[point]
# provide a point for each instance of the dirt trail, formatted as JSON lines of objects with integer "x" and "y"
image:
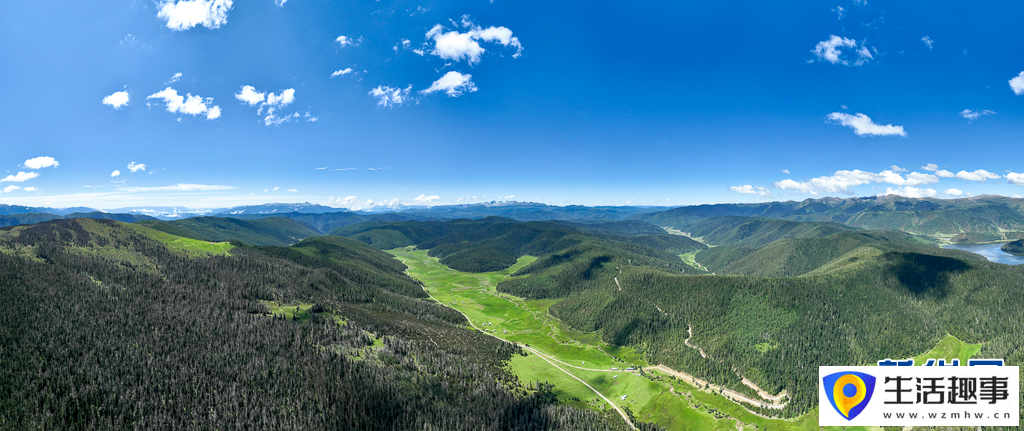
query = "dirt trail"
{"x": 747, "y": 382}
{"x": 726, "y": 392}
{"x": 689, "y": 330}
{"x": 617, "y": 279}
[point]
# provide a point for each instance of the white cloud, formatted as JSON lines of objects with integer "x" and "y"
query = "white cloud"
{"x": 862, "y": 125}
{"x": 344, "y": 40}
{"x": 116, "y": 173}
{"x": 135, "y": 167}
{"x": 118, "y": 99}
{"x": 389, "y": 96}
{"x": 978, "y": 175}
{"x": 974, "y": 115}
{"x": 310, "y": 118}
{"x": 175, "y": 78}
{"x": 953, "y": 192}
{"x": 292, "y": 190}
{"x": 507, "y": 197}
{"x": 273, "y": 120}
{"x": 843, "y": 181}
{"x": 284, "y": 99}
{"x": 839, "y": 11}
{"x": 346, "y": 201}
{"x": 910, "y": 192}
{"x": 11, "y": 188}
{"x": 20, "y": 177}
{"x": 831, "y": 51}
{"x": 895, "y": 168}
{"x": 185, "y": 14}
{"x": 41, "y": 162}
{"x": 751, "y": 190}
{"x": 341, "y": 72}
{"x": 181, "y": 187}
{"x": 188, "y": 104}
{"x": 424, "y": 199}
{"x": 938, "y": 172}
{"x": 453, "y": 83}
{"x": 456, "y": 46}
{"x": 280, "y": 3}
{"x": 1017, "y": 84}
{"x": 1015, "y": 178}
{"x": 250, "y": 96}
{"x": 928, "y": 41}
{"x": 29, "y": 189}
{"x": 785, "y": 171}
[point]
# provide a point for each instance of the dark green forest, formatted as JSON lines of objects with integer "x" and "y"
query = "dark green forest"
{"x": 106, "y": 328}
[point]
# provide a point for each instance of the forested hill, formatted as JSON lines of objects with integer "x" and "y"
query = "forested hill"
{"x": 108, "y": 328}
{"x": 325, "y": 222}
{"x": 276, "y": 231}
{"x": 29, "y": 218}
{"x": 937, "y": 217}
{"x": 494, "y": 243}
{"x": 758, "y": 231}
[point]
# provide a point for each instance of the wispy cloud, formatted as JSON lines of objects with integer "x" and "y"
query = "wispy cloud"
{"x": 175, "y": 78}
{"x": 928, "y": 42}
{"x": 974, "y": 115}
{"x": 188, "y": 104}
{"x": 932, "y": 167}
{"x": 185, "y": 14}
{"x": 344, "y": 41}
{"x": 751, "y": 190}
{"x": 831, "y": 50}
{"x": 424, "y": 199}
{"x": 979, "y": 175}
{"x": 41, "y": 162}
{"x": 135, "y": 167}
{"x": 863, "y": 126}
{"x": 20, "y": 177}
{"x": 390, "y": 96}
{"x": 341, "y": 72}
{"x": 181, "y": 187}
{"x": 453, "y": 83}
{"x": 11, "y": 188}
{"x": 118, "y": 99}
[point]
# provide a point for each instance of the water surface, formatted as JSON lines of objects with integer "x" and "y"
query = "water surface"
{"x": 990, "y": 251}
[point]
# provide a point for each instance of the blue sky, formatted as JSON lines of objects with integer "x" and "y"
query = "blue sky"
{"x": 213, "y": 103}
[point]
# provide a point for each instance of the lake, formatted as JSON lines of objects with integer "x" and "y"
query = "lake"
{"x": 990, "y": 251}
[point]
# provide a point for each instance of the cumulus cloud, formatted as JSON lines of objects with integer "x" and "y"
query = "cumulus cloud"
{"x": 453, "y": 83}
{"x": 831, "y": 50}
{"x": 932, "y": 167}
{"x": 188, "y": 104}
{"x": 11, "y": 188}
{"x": 116, "y": 173}
{"x": 843, "y": 181}
{"x": 910, "y": 192}
{"x": 953, "y": 192}
{"x": 341, "y": 72}
{"x": 751, "y": 190}
{"x": 41, "y": 162}
{"x": 978, "y": 175}
{"x": 20, "y": 177}
{"x": 457, "y": 46}
{"x": 863, "y": 126}
{"x": 974, "y": 115}
{"x": 185, "y": 14}
{"x": 250, "y": 96}
{"x": 389, "y": 96}
{"x": 1017, "y": 84}
{"x": 424, "y": 199}
{"x": 118, "y": 99}
{"x": 271, "y": 102}
{"x": 928, "y": 41}
{"x": 181, "y": 187}
{"x": 344, "y": 40}
{"x": 135, "y": 167}
{"x": 895, "y": 168}
{"x": 1015, "y": 178}
{"x": 346, "y": 201}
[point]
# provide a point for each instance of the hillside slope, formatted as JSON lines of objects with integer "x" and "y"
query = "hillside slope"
{"x": 275, "y": 231}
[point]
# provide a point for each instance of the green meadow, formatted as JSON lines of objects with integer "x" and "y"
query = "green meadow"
{"x": 186, "y": 245}
{"x": 649, "y": 396}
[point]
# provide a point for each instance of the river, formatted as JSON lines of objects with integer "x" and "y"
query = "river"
{"x": 990, "y": 252}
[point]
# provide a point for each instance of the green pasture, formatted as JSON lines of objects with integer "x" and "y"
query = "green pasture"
{"x": 186, "y": 245}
